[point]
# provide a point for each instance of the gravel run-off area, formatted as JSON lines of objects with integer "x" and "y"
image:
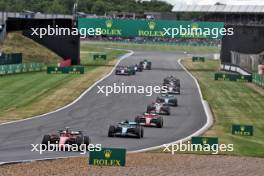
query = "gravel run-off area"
{"x": 144, "y": 164}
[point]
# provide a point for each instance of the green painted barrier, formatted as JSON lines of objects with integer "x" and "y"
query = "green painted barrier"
{"x": 65, "y": 70}
{"x": 243, "y": 130}
{"x": 233, "y": 77}
{"x": 198, "y": 59}
{"x": 99, "y": 56}
{"x": 108, "y": 157}
{"x": 258, "y": 79}
{"x": 21, "y": 68}
{"x": 205, "y": 140}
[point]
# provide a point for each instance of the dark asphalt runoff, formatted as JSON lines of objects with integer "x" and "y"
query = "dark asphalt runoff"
{"x": 93, "y": 113}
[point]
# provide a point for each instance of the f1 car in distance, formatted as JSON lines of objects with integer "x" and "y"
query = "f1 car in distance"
{"x": 172, "y": 85}
{"x": 66, "y": 136}
{"x": 171, "y": 80}
{"x": 126, "y": 128}
{"x": 167, "y": 99}
{"x": 125, "y": 70}
{"x": 149, "y": 119}
{"x": 146, "y": 64}
{"x": 158, "y": 108}
{"x": 138, "y": 67}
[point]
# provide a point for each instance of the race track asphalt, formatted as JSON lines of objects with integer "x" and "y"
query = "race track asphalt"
{"x": 93, "y": 113}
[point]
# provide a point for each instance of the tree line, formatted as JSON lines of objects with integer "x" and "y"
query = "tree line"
{"x": 99, "y": 7}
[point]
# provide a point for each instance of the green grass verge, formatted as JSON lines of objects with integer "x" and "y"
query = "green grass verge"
{"x": 231, "y": 103}
{"x": 20, "y": 94}
{"x": 22, "y": 89}
{"x": 87, "y": 51}
{"x": 15, "y": 42}
{"x": 157, "y": 47}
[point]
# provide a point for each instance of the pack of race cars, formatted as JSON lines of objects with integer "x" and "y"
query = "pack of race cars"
{"x": 132, "y": 69}
{"x": 153, "y": 115}
{"x": 134, "y": 128}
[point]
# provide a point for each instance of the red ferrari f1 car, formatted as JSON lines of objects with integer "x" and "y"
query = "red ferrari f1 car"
{"x": 150, "y": 119}
{"x": 66, "y": 136}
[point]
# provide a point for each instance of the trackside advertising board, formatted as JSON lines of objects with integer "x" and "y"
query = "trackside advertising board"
{"x": 65, "y": 70}
{"x": 99, "y": 56}
{"x": 151, "y": 28}
{"x": 108, "y": 157}
{"x": 243, "y": 130}
{"x": 21, "y": 68}
{"x": 205, "y": 140}
{"x": 233, "y": 77}
{"x": 198, "y": 59}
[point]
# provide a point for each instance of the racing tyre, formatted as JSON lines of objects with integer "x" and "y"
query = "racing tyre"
{"x": 142, "y": 132}
{"x": 86, "y": 140}
{"x": 160, "y": 122}
{"x": 111, "y": 131}
{"x": 45, "y": 141}
{"x": 138, "y": 132}
{"x": 137, "y": 119}
{"x": 167, "y": 110}
{"x": 149, "y": 67}
{"x": 79, "y": 140}
{"x": 175, "y": 103}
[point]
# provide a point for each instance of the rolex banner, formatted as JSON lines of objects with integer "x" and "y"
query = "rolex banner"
{"x": 108, "y": 157}
{"x": 205, "y": 140}
{"x": 243, "y": 130}
{"x": 151, "y": 28}
{"x": 99, "y": 56}
{"x": 198, "y": 59}
{"x": 233, "y": 77}
{"x": 65, "y": 70}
